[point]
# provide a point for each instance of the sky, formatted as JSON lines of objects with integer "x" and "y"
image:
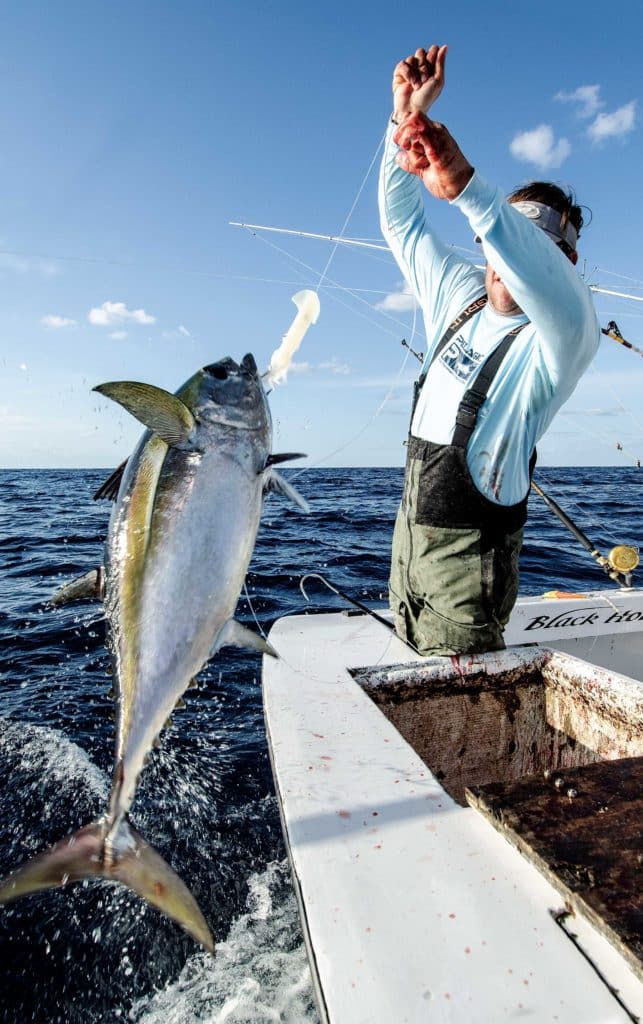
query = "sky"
{"x": 133, "y": 133}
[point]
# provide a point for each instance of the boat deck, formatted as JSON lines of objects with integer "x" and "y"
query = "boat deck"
{"x": 414, "y": 907}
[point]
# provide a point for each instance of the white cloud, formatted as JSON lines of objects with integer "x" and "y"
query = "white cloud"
{"x": 112, "y": 313}
{"x": 184, "y": 331}
{"x": 299, "y": 368}
{"x": 586, "y": 96}
{"x": 540, "y": 147}
{"x": 56, "y": 322}
{"x": 118, "y": 335}
{"x": 619, "y": 122}
{"x": 335, "y": 366}
{"x": 400, "y": 301}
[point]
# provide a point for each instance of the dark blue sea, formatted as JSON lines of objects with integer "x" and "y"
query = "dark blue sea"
{"x": 94, "y": 952}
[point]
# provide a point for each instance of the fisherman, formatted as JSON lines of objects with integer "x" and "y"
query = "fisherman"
{"x": 506, "y": 347}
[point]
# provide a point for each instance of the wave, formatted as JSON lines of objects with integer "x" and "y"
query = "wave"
{"x": 260, "y": 973}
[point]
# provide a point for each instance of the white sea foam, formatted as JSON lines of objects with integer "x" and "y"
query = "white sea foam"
{"x": 260, "y": 973}
{"x": 47, "y": 755}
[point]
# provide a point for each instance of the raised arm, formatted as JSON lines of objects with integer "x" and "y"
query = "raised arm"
{"x": 436, "y": 275}
{"x": 539, "y": 277}
{"x": 418, "y": 81}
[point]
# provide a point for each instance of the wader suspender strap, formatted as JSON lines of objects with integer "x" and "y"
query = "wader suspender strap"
{"x": 473, "y": 398}
{"x": 461, "y": 319}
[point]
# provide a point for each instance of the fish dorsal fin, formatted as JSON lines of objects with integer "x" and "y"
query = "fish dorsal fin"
{"x": 161, "y": 412}
{"x": 109, "y": 489}
{"x": 278, "y": 483}
{"x": 274, "y": 460}
{"x": 235, "y": 635}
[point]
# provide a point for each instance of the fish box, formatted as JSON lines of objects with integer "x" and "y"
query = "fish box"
{"x": 499, "y": 717}
{"x": 550, "y": 750}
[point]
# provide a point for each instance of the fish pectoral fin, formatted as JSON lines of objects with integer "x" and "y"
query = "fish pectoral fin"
{"x": 235, "y": 635}
{"x": 276, "y": 482}
{"x": 110, "y": 488}
{"x": 129, "y": 859}
{"x": 274, "y": 460}
{"x": 88, "y": 587}
{"x": 161, "y": 412}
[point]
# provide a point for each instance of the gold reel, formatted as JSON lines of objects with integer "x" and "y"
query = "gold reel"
{"x": 623, "y": 558}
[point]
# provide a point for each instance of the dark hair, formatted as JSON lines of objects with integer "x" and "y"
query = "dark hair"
{"x": 551, "y": 195}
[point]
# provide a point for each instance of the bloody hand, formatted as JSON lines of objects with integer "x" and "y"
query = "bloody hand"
{"x": 430, "y": 151}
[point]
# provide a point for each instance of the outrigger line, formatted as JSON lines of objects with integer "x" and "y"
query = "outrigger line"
{"x": 622, "y": 559}
{"x": 361, "y": 243}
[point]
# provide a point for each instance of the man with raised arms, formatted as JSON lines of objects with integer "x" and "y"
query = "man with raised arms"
{"x": 506, "y": 348}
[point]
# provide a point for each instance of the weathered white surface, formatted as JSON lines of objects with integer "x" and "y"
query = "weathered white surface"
{"x": 416, "y": 909}
{"x": 603, "y": 626}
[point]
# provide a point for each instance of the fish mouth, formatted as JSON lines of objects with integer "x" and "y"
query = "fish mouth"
{"x": 225, "y": 368}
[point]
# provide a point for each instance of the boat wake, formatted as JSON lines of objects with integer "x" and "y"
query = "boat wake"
{"x": 227, "y": 842}
{"x": 260, "y": 973}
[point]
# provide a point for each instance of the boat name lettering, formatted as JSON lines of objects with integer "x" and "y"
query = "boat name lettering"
{"x": 580, "y": 617}
{"x": 625, "y": 617}
{"x": 561, "y": 620}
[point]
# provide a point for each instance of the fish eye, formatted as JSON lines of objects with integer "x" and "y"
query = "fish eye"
{"x": 218, "y": 371}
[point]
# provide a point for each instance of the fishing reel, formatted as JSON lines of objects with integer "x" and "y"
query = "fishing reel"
{"x": 622, "y": 560}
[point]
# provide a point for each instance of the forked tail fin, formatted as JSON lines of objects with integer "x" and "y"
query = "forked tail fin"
{"x": 129, "y": 860}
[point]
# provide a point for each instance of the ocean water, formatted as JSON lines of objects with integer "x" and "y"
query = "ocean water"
{"x": 94, "y": 952}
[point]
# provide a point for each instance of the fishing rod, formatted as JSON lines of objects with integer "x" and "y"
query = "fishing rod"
{"x": 622, "y": 560}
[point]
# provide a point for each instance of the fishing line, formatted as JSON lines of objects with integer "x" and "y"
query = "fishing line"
{"x": 623, "y": 277}
{"x": 604, "y": 382}
{"x": 129, "y": 264}
{"x": 611, "y": 604}
{"x": 602, "y": 440}
{"x": 251, "y": 607}
{"x": 341, "y": 288}
{"x": 323, "y": 276}
{"x": 350, "y": 212}
{"x": 570, "y": 503}
{"x": 357, "y": 604}
{"x": 371, "y": 419}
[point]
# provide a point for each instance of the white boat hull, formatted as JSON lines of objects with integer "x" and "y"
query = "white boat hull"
{"x": 414, "y": 908}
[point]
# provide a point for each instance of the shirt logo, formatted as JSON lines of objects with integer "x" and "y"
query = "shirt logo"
{"x": 460, "y": 360}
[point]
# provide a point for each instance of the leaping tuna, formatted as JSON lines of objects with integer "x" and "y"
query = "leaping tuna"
{"x": 181, "y": 535}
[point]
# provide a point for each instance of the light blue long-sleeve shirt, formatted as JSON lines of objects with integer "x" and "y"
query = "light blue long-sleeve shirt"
{"x": 546, "y": 360}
